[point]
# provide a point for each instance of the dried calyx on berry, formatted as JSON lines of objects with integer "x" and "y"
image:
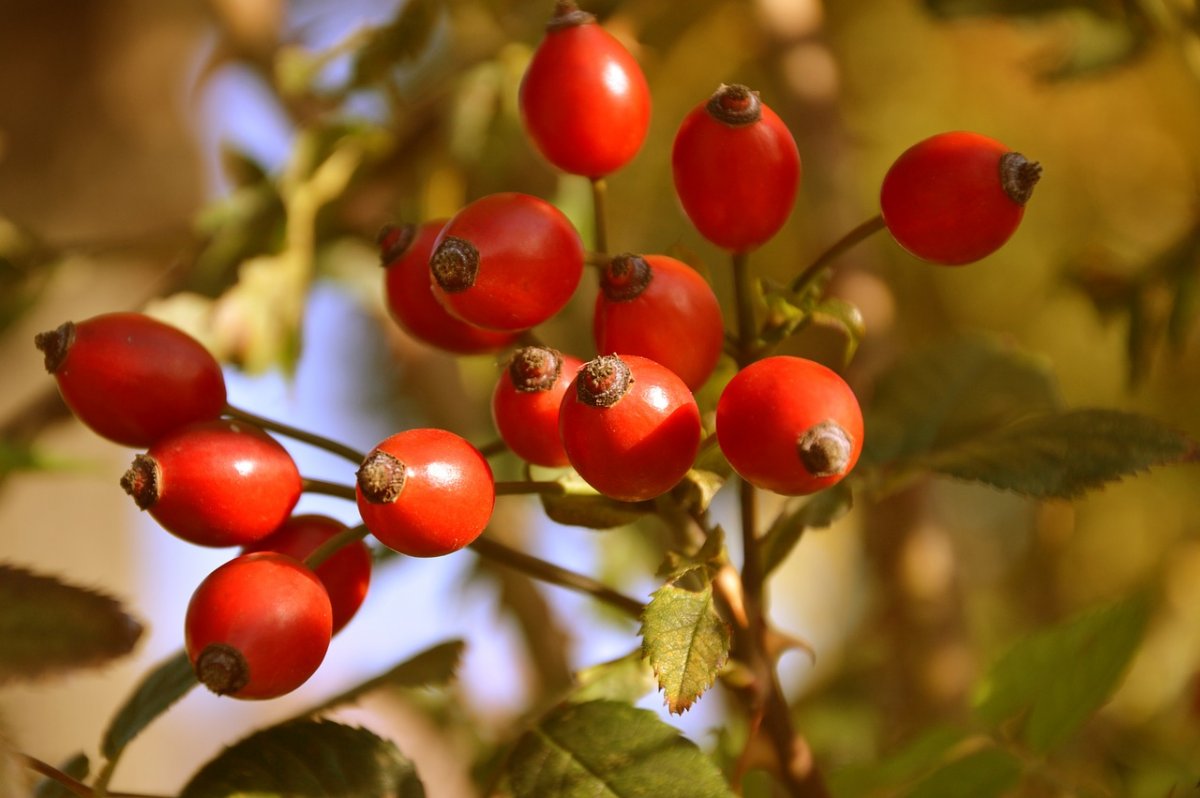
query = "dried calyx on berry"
{"x": 534, "y": 368}
{"x": 222, "y": 669}
{"x": 625, "y": 277}
{"x": 568, "y": 14}
{"x": 394, "y": 240}
{"x": 1019, "y": 175}
{"x": 735, "y": 105}
{"x": 455, "y": 264}
{"x": 381, "y": 477}
{"x": 826, "y": 449}
{"x": 603, "y": 381}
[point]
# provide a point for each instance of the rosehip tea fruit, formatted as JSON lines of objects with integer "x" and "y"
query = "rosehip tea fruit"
{"x": 132, "y": 378}
{"x": 630, "y": 427}
{"x": 425, "y": 492}
{"x": 789, "y": 425}
{"x": 258, "y": 626}
{"x": 956, "y": 197}
{"x": 405, "y": 251}
{"x": 660, "y": 308}
{"x": 526, "y": 400}
{"x": 216, "y": 483}
{"x": 736, "y": 169}
{"x": 346, "y": 574}
{"x": 506, "y": 261}
{"x": 584, "y": 100}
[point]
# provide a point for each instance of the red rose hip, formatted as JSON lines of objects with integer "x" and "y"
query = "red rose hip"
{"x": 217, "y": 483}
{"x": 736, "y": 169}
{"x": 630, "y": 427}
{"x": 258, "y": 626}
{"x": 584, "y": 100}
{"x": 526, "y": 400}
{"x": 956, "y": 197}
{"x": 346, "y": 574}
{"x": 507, "y": 261}
{"x": 789, "y": 425}
{"x": 660, "y": 308}
{"x": 132, "y": 378}
{"x": 425, "y": 492}
{"x": 405, "y": 251}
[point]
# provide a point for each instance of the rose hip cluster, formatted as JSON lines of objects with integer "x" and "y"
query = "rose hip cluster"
{"x": 626, "y": 421}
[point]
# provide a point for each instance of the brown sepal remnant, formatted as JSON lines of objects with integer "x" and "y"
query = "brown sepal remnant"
{"x": 567, "y": 15}
{"x": 143, "y": 481}
{"x": 222, "y": 669}
{"x": 1019, "y": 175}
{"x": 534, "y": 368}
{"x": 394, "y": 240}
{"x": 603, "y": 381}
{"x": 825, "y": 449}
{"x": 625, "y": 277}
{"x": 735, "y": 105}
{"x": 54, "y": 344}
{"x": 455, "y": 263}
{"x": 381, "y": 477}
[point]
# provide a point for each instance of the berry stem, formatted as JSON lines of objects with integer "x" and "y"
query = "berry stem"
{"x": 304, "y": 436}
{"x": 600, "y": 214}
{"x": 328, "y": 488}
{"x": 70, "y": 784}
{"x": 332, "y": 546}
{"x": 765, "y": 700}
{"x": 849, "y": 240}
{"x": 555, "y": 575}
{"x": 527, "y": 486}
{"x": 493, "y": 448}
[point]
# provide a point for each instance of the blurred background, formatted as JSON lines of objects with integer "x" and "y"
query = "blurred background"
{"x": 151, "y": 153}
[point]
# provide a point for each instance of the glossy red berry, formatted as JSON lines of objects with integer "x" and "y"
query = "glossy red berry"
{"x": 789, "y": 425}
{"x": 258, "y": 626}
{"x": 405, "y": 251}
{"x": 662, "y": 309}
{"x": 216, "y": 483}
{"x": 956, "y": 197}
{"x": 736, "y": 169}
{"x": 584, "y": 100}
{"x": 132, "y": 378}
{"x": 630, "y": 427}
{"x": 526, "y": 400}
{"x": 425, "y": 492}
{"x": 346, "y": 574}
{"x": 507, "y": 261}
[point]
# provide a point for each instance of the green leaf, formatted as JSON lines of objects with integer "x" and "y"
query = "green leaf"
{"x": 1062, "y": 455}
{"x": 941, "y": 396}
{"x": 160, "y": 689}
{"x": 1051, "y": 683}
{"x": 821, "y": 510}
{"x": 686, "y": 642}
{"x": 989, "y": 773}
{"x": 910, "y": 762}
{"x": 434, "y": 666}
{"x": 401, "y": 40}
{"x": 77, "y": 767}
{"x": 580, "y": 505}
{"x": 844, "y": 316}
{"x": 626, "y": 679}
{"x": 968, "y": 8}
{"x": 20, "y": 456}
{"x": 48, "y": 627}
{"x": 309, "y": 758}
{"x": 607, "y": 748}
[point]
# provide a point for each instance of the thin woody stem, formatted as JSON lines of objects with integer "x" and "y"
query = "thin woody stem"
{"x": 324, "y": 488}
{"x": 556, "y": 575}
{"x": 69, "y": 783}
{"x": 835, "y": 250}
{"x": 304, "y": 436}
{"x": 600, "y": 214}
{"x": 332, "y": 546}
